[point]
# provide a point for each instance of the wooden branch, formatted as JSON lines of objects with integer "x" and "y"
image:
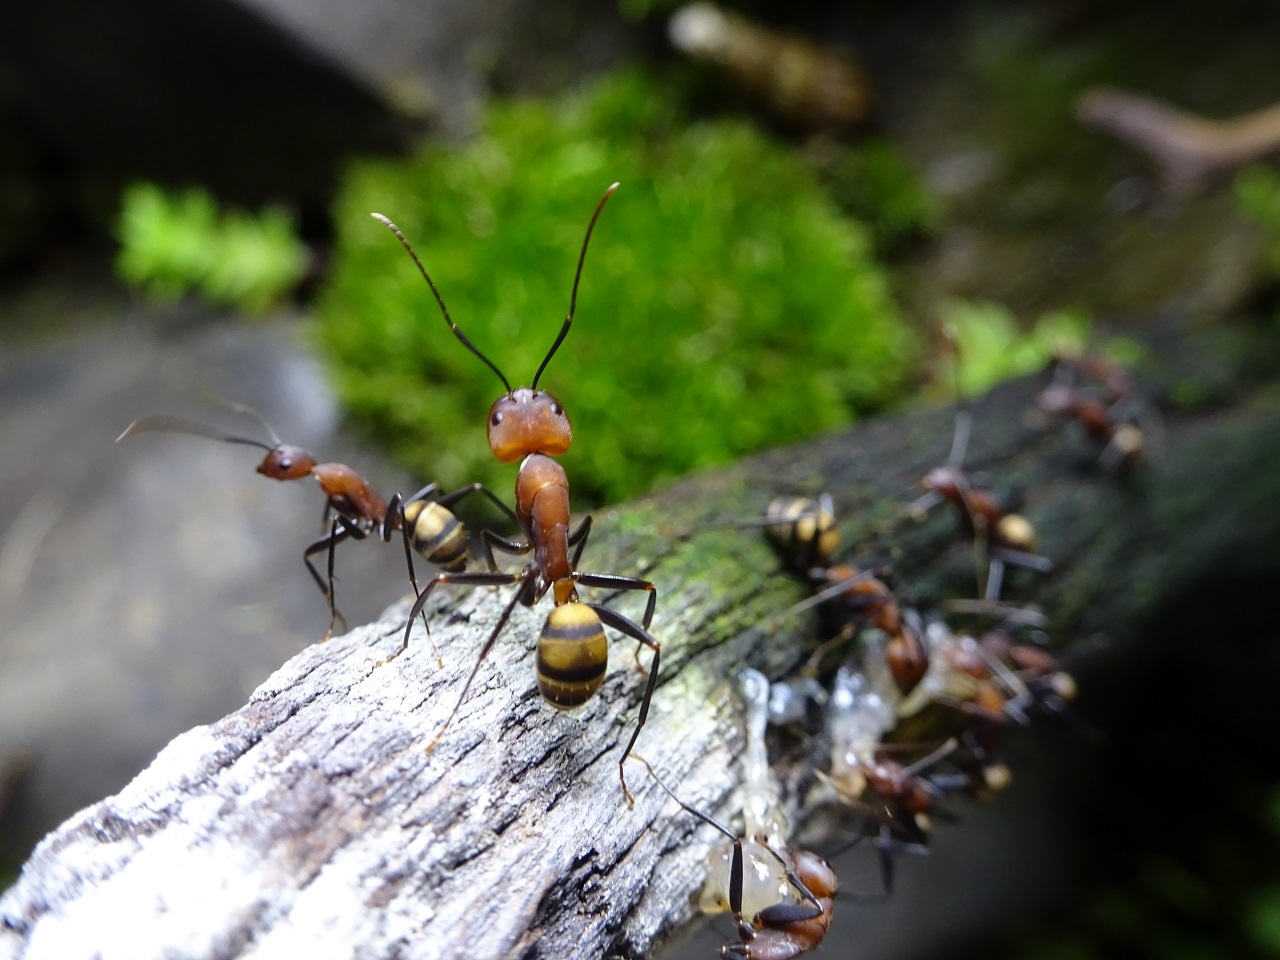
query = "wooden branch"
{"x": 1189, "y": 150}
{"x": 311, "y": 823}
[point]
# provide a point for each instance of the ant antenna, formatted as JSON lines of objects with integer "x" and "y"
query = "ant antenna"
{"x": 573, "y": 297}
{"x": 183, "y": 425}
{"x": 462, "y": 337}
{"x": 249, "y": 411}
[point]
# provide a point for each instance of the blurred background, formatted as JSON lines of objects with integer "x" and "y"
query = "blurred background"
{"x": 810, "y": 192}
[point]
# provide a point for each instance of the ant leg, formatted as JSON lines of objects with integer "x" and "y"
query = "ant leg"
{"x": 395, "y": 509}
{"x": 449, "y": 499}
{"x": 579, "y": 537}
{"x": 609, "y": 580}
{"x": 484, "y": 652}
{"x": 349, "y": 530}
{"x": 489, "y": 540}
{"x": 636, "y": 632}
{"x": 463, "y": 579}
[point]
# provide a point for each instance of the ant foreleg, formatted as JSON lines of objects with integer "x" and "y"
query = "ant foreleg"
{"x": 490, "y": 540}
{"x": 633, "y": 630}
{"x": 579, "y": 537}
{"x": 349, "y": 529}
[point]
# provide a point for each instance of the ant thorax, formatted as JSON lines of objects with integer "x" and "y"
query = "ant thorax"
{"x": 527, "y": 421}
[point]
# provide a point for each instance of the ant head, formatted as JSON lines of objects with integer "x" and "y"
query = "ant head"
{"x": 527, "y": 421}
{"x": 943, "y": 480}
{"x": 1058, "y": 398}
{"x": 286, "y": 462}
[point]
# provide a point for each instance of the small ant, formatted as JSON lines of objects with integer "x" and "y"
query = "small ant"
{"x": 1121, "y": 442}
{"x": 531, "y": 425}
{"x": 804, "y": 531}
{"x": 869, "y": 602}
{"x": 357, "y": 509}
{"x": 789, "y": 895}
{"x": 1005, "y": 538}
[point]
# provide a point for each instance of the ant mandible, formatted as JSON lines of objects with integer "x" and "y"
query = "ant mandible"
{"x": 427, "y": 525}
{"x": 531, "y": 425}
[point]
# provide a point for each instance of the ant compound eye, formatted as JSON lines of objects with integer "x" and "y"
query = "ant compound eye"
{"x": 555, "y": 408}
{"x": 497, "y": 418}
{"x": 286, "y": 464}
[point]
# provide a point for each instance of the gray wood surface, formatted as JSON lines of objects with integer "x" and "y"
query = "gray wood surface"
{"x": 311, "y": 822}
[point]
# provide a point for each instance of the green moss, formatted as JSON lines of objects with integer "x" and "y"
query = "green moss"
{"x": 172, "y": 244}
{"x": 726, "y": 305}
{"x": 875, "y": 184}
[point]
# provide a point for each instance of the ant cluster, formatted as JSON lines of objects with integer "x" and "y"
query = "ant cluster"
{"x": 899, "y": 664}
{"x": 916, "y": 712}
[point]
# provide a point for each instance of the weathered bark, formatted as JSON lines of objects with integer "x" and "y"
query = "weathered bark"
{"x": 312, "y": 822}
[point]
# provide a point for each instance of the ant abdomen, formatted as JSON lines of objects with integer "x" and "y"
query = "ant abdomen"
{"x": 437, "y": 535}
{"x": 573, "y": 655}
{"x": 803, "y": 530}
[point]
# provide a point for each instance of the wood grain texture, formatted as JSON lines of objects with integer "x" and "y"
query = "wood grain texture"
{"x": 311, "y": 822}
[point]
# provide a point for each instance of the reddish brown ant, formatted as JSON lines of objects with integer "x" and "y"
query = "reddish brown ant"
{"x": 780, "y": 926}
{"x": 804, "y": 532}
{"x": 357, "y": 509}
{"x": 530, "y": 425}
{"x": 1121, "y": 441}
{"x": 1003, "y": 537}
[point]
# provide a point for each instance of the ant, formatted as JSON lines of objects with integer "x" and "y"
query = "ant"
{"x": 789, "y": 895}
{"x": 1005, "y": 538}
{"x": 357, "y": 509}
{"x": 531, "y": 425}
{"x": 1106, "y": 415}
{"x": 804, "y": 532}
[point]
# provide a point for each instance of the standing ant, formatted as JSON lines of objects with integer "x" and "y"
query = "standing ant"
{"x": 530, "y": 425}
{"x": 1003, "y": 537}
{"x": 789, "y": 895}
{"x": 357, "y": 509}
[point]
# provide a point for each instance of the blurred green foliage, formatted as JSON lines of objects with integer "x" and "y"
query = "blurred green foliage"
{"x": 1258, "y": 193}
{"x": 991, "y": 348}
{"x": 727, "y": 304}
{"x": 172, "y": 244}
{"x": 873, "y": 183}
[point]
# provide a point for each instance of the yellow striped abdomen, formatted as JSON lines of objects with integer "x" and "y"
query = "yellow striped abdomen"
{"x": 437, "y": 535}
{"x": 573, "y": 655}
{"x": 803, "y": 529}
